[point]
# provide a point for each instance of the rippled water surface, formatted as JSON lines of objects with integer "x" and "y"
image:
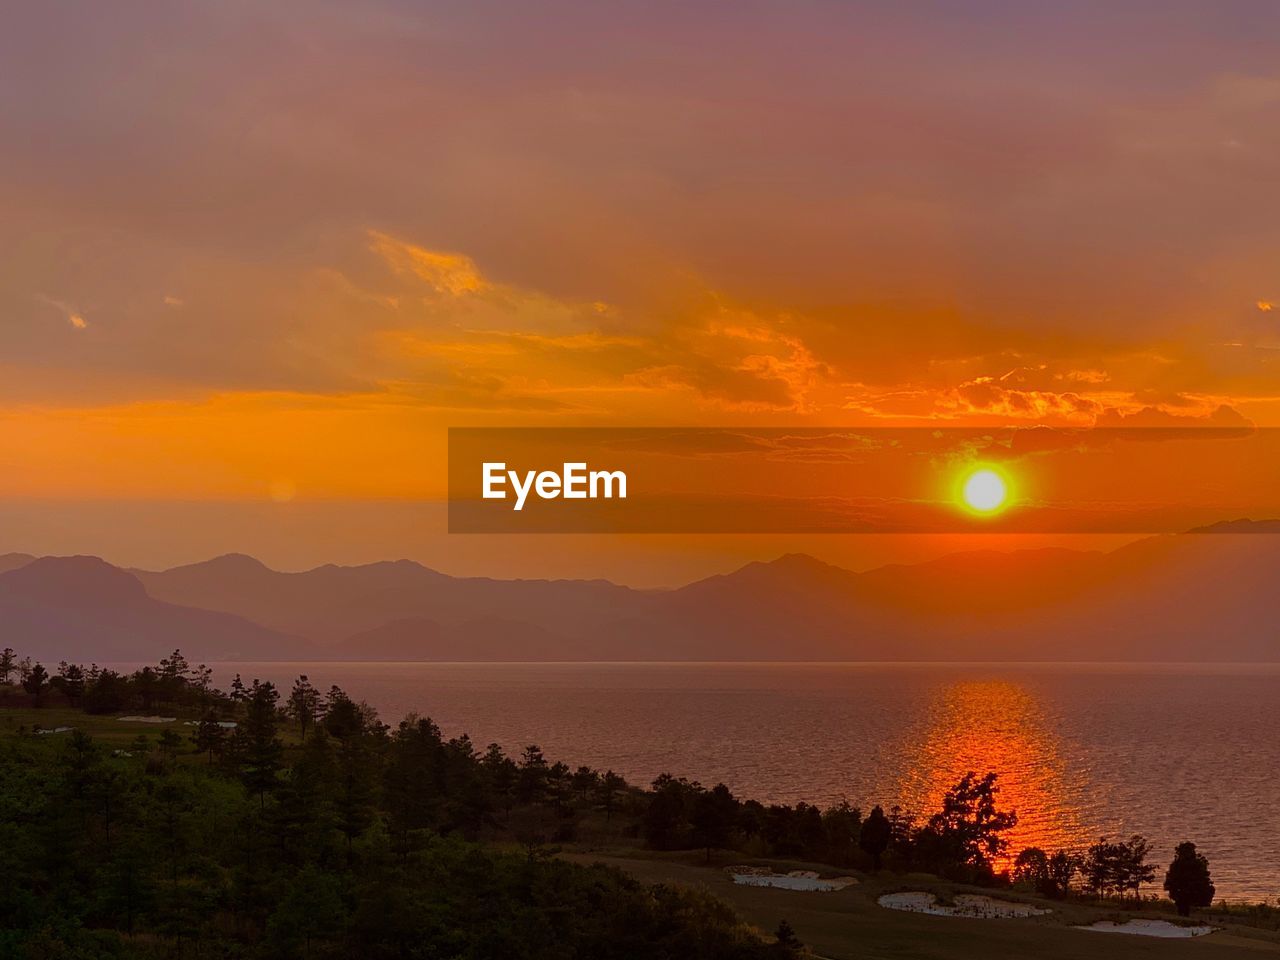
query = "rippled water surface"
{"x": 1174, "y": 752}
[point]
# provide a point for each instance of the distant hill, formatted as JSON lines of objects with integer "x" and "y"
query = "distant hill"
{"x": 331, "y": 603}
{"x": 1183, "y": 597}
{"x": 82, "y": 608}
{"x": 486, "y": 638}
{"x": 12, "y": 561}
{"x": 1203, "y": 595}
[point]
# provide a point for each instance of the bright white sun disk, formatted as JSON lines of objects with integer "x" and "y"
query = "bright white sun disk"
{"x": 984, "y": 490}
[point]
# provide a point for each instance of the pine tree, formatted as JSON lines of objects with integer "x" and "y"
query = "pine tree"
{"x": 71, "y": 681}
{"x": 8, "y": 664}
{"x": 209, "y": 736}
{"x": 356, "y": 769}
{"x": 259, "y": 750}
{"x": 502, "y": 774}
{"x": 1188, "y": 881}
{"x": 714, "y": 814}
{"x": 786, "y": 938}
{"x": 875, "y": 836}
{"x": 611, "y": 787}
{"x": 35, "y": 682}
{"x": 585, "y": 780}
{"x": 532, "y": 783}
{"x": 304, "y": 704}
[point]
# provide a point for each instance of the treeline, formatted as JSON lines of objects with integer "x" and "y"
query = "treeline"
{"x": 420, "y": 781}
{"x": 356, "y": 842}
{"x": 961, "y": 841}
{"x": 1118, "y": 869}
{"x": 173, "y": 683}
{"x": 320, "y": 765}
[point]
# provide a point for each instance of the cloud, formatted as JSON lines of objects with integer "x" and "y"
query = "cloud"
{"x": 580, "y": 354}
{"x": 1221, "y": 416}
{"x": 74, "y": 318}
{"x": 986, "y": 395}
{"x": 382, "y": 314}
{"x": 449, "y": 273}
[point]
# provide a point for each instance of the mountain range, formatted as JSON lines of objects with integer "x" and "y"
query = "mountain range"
{"x": 1184, "y": 597}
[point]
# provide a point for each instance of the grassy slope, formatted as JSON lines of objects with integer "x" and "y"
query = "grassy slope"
{"x": 849, "y": 924}
{"x": 110, "y": 732}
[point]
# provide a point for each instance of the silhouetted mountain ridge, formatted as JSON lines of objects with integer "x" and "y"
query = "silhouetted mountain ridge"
{"x": 12, "y": 561}
{"x": 1174, "y": 597}
{"x": 83, "y": 608}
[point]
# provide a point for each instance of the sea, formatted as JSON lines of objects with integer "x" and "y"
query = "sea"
{"x": 1083, "y": 751}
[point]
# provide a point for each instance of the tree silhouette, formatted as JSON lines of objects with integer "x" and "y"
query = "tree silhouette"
{"x": 1031, "y": 867}
{"x": 611, "y": 786}
{"x": 1050, "y": 876}
{"x": 8, "y": 664}
{"x": 174, "y": 674}
{"x": 357, "y": 776}
{"x": 1134, "y": 869}
{"x": 665, "y": 816}
{"x": 108, "y": 693}
{"x": 532, "y": 783}
{"x": 841, "y": 825}
{"x": 169, "y": 743}
{"x": 714, "y": 813}
{"x": 584, "y": 781}
{"x": 501, "y": 772}
{"x": 209, "y": 736}
{"x": 1117, "y": 867}
{"x": 1061, "y": 869}
{"x": 786, "y": 939}
{"x": 70, "y": 680}
{"x": 967, "y": 831}
{"x": 257, "y": 748}
{"x": 875, "y": 835}
{"x": 35, "y": 682}
{"x": 1187, "y": 881}
{"x": 343, "y": 717}
{"x": 1098, "y": 867}
{"x": 304, "y": 704}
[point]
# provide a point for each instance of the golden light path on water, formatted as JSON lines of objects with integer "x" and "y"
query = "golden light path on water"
{"x": 997, "y": 725}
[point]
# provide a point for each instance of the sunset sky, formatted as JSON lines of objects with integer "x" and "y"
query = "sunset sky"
{"x": 255, "y": 259}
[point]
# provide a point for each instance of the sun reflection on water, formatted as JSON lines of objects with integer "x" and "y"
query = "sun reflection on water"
{"x": 997, "y": 725}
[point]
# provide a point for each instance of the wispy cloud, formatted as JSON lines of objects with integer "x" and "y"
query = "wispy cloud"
{"x": 73, "y": 316}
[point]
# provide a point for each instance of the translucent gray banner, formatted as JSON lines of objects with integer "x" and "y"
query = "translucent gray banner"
{"x": 865, "y": 480}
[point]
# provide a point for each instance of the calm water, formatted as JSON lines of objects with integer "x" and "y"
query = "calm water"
{"x": 1174, "y": 752}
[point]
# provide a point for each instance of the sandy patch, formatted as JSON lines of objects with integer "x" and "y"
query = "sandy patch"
{"x": 44, "y": 732}
{"x": 795, "y": 880}
{"x": 966, "y": 905}
{"x": 1148, "y": 928}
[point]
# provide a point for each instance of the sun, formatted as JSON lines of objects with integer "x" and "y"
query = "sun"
{"x": 984, "y": 491}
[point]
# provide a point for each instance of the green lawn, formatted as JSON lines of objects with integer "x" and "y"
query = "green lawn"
{"x": 109, "y": 731}
{"x": 849, "y": 924}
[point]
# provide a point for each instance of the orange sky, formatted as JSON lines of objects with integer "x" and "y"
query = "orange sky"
{"x": 269, "y": 256}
